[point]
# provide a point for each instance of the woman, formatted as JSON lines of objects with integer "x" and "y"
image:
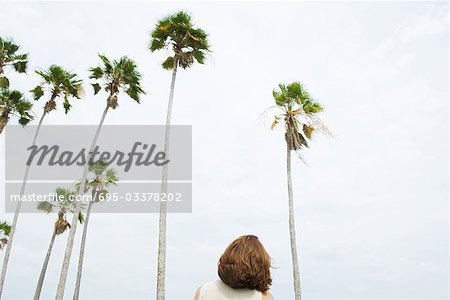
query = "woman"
{"x": 244, "y": 271}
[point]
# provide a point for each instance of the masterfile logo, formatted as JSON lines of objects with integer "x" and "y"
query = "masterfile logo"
{"x": 134, "y": 154}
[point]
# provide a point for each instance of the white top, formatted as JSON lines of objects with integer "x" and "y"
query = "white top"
{"x": 217, "y": 290}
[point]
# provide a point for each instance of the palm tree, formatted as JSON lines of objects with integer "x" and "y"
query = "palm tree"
{"x": 5, "y": 229}
{"x": 13, "y": 103}
{"x": 113, "y": 76}
{"x": 10, "y": 58}
{"x": 298, "y": 114}
{"x": 188, "y": 44}
{"x": 58, "y": 83}
{"x": 103, "y": 178}
{"x": 63, "y": 203}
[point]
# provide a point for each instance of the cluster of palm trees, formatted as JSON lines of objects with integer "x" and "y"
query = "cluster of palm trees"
{"x": 187, "y": 44}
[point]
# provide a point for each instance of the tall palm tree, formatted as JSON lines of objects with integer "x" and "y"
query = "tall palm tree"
{"x": 5, "y": 229}
{"x": 112, "y": 76}
{"x": 188, "y": 44}
{"x": 63, "y": 204}
{"x": 13, "y": 103}
{"x": 101, "y": 180}
{"x": 10, "y": 58}
{"x": 57, "y": 83}
{"x": 298, "y": 115}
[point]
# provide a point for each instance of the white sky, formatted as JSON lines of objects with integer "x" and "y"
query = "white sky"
{"x": 372, "y": 210}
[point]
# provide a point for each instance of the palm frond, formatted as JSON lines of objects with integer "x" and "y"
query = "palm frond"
{"x": 98, "y": 167}
{"x": 5, "y": 228}
{"x": 14, "y": 103}
{"x": 111, "y": 177}
{"x": 10, "y": 57}
{"x": 81, "y": 218}
{"x": 45, "y": 206}
{"x": 4, "y": 82}
{"x": 168, "y": 63}
{"x": 37, "y": 92}
{"x": 20, "y": 66}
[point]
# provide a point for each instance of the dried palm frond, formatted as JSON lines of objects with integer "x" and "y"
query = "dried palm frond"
{"x": 295, "y": 140}
{"x": 49, "y": 106}
{"x": 316, "y": 123}
{"x": 307, "y": 130}
{"x": 3, "y": 242}
{"x": 112, "y": 101}
{"x": 61, "y": 224}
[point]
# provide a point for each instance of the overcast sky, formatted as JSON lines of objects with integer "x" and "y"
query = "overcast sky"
{"x": 371, "y": 207}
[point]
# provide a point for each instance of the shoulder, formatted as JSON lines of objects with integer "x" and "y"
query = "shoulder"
{"x": 212, "y": 285}
{"x": 206, "y": 288}
{"x": 197, "y": 294}
{"x": 267, "y": 296}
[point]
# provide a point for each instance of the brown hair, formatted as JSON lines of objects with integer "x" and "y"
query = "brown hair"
{"x": 246, "y": 264}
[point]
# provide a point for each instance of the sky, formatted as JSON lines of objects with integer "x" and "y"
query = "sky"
{"x": 372, "y": 201}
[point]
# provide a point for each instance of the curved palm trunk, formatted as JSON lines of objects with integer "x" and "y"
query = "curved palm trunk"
{"x": 295, "y": 265}
{"x": 161, "y": 279}
{"x": 16, "y": 213}
{"x": 76, "y": 293}
{"x": 73, "y": 229}
{"x": 37, "y": 293}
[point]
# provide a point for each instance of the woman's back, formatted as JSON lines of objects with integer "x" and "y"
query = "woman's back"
{"x": 217, "y": 290}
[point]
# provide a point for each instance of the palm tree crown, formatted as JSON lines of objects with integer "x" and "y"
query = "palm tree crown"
{"x": 13, "y": 103}
{"x": 176, "y": 32}
{"x": 299, "y": 111}
{"x": 63, "y": 203}
{"x": 58, "y": 82}
{"x": 103, "y": 177}
{"x": 5, "y": 229}
{"x": 10, "y": 57}
{"x": 117, "y": 75}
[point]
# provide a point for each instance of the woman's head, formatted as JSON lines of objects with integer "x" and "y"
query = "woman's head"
{"x": 246, "y": 264}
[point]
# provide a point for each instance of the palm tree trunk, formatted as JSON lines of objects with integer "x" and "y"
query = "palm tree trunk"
{"x": 16, "y": 213}
{"x": 76, "y": 294}
{"x": 37, "y": 293}
{"x": 295, "y": 265}
{"x": 73, "y": 229}
{"x": 161, "y": 279}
